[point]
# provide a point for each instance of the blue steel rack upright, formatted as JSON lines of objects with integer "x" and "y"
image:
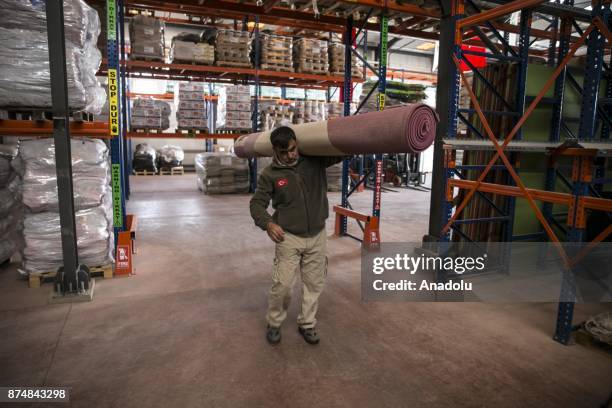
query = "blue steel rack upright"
{"x": 116, "y": 122}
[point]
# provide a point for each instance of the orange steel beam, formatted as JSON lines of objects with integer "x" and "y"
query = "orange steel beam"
{"x": 167, "y": 96}
{"x": 142, "y": 135}
{"x": 497, "y": 12}
{"x": 585, "y": 251}
{"x": 520, "y": 123}
{"x": 513, "y": 191}
{"x": 603, "y": 29}
{"x": 597, "y": 204}
{"x": 351, "y": 214}
{"x": 30, "y": 127}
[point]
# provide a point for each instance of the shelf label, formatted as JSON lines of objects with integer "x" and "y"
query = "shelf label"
{"x": 111, "y": 20}
{"x": 117, "y": 210}
{"x": 113, "y": 102}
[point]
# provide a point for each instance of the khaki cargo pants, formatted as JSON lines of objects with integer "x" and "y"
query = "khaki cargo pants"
{"x": 295, "y": 254}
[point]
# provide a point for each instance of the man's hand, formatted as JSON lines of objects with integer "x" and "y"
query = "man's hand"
{"x": 275, "y": 232}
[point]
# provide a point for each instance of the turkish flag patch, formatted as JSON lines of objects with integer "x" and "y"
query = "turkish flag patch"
{"x": 282, "y": 182}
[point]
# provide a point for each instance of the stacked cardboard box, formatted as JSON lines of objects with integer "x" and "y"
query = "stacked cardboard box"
{"x": 146, "y": 38}
{"x": 233, "y": 49}
{"x": 309, "y": 111}
{"x": 276, "y": 53}
{"x": 150, "y": 114}
{"x": 192, "y": 108}
{"x": 274, "y": 115}
{"x": 336, "y": 61}
{"x": 234, "y": 108}
{"x": 311, "y": 56}
{"x": 192, "y": 52}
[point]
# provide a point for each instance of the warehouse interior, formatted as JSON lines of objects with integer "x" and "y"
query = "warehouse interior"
{"x": 136, "y": 134}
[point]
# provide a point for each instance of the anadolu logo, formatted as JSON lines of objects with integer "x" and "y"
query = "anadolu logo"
{"x": 282, "y": 182}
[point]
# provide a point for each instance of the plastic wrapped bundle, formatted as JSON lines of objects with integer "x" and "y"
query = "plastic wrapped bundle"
{"x": 234, "y": 108}
{"x": 221, "y": 173}
{"x": 92, "y": 198}
{"x": 146, "y": 38}
{"x": 171, "y": 156}
{"x": 188, "y": 48}
{"x": 90, "y": 173}
{"x": 233, "y": 49}
{"x": 10, "y": 206}
{"x": 192, "y": 108}
{"x": 311, "y": 56}
{"x": 334, "y": 177}
{"x": 145, "y": 158}
{"x": 24, "y": 56}
{"x": 43, "y": 244}
{"x": 276, "y": 53}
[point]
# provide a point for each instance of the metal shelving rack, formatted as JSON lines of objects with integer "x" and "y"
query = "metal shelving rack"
{"x": 588, "y": 158}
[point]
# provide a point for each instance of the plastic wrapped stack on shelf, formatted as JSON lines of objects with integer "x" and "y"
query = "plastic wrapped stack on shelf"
{"x": 191, "y": 113}
{"x": 146, "y": 38}
{"x": 336, "y": 109}
{"x": 309, "y": 111}
{"x": 233, "y": 49}
{"x": 274, "y": 115}
{"x": 145, "y": 159}
{"x": 336, "y": 61}
{"x": 276, "y": 53}
{"x": 397, "y": 93}
{"x": 170, "y": 156}
{"x": 148, "y": 114}
{"x": 311, "y": 56}
{"x": 221, "y": 173}
{"x": 334, "y": 177}
{"x": 234, "y": 108}
{"x": 10, "y": 205}
{"x": 24, "y": 56}
{"x": 189, "y": 48}
{"x": 92, "y": 201}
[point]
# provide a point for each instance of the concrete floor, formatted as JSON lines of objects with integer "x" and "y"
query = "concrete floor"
{"x": 188, "y": 329}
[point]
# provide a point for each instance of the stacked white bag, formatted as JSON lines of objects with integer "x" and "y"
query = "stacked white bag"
{"x": 10, "y": 205}
{"x": 24, "y": 55}
{"x": 92, "y": 201}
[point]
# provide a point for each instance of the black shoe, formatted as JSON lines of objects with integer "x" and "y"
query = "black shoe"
{"x": 309, "y": 334}
{"x": 273, "y": 335}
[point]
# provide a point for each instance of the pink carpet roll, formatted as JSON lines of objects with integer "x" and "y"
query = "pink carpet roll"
{"x": 405, "y": 129}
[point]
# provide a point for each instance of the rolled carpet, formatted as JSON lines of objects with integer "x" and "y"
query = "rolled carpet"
{"x": 404, "y": 129}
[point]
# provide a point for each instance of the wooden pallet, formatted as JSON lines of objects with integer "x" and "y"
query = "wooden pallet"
{"x": 187, "y": 131}
{"x": 277, "y": 67}
{"x": 207, "y": 63}
{"x": 146, "y": 130}
{"x": 144, "y": 173}
{"x": 35, "y": 280}
{"x": 234, "y": 131}
{"x": 234, "y": 64}
{"x": 172, "y": 171}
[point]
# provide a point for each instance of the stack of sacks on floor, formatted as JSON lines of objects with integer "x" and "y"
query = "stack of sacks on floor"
{"x": 150, "y": 114}
{"x": 334, "y": 177}
{"x": 171, "y": 156}
{"x": 336, "y": 109}
{"x": 234, "y": 111}
{"x": 92, "y": 201}
{"x": 221, "y": 173}
{"x": 192, "y": 112}
{"x": 24, "y": 56}
{"x": 10, "y": 205}
{"x": 145, "y": 158}
{"x": 146, "y": 38}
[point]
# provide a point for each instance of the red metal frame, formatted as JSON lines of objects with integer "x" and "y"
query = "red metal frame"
{"x": 32, "y": 127}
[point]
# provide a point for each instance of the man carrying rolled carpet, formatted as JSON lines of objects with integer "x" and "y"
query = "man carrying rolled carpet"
{"x": 297, "y": 186}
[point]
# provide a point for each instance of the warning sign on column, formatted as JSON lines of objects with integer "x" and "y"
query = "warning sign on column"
{"x": 113, "y": 102}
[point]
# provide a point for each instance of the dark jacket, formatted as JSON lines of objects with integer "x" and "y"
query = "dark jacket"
{"x": 298, "y": 194}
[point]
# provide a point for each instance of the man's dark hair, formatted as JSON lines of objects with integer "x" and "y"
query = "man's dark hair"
{"x": 281, "y": 136}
